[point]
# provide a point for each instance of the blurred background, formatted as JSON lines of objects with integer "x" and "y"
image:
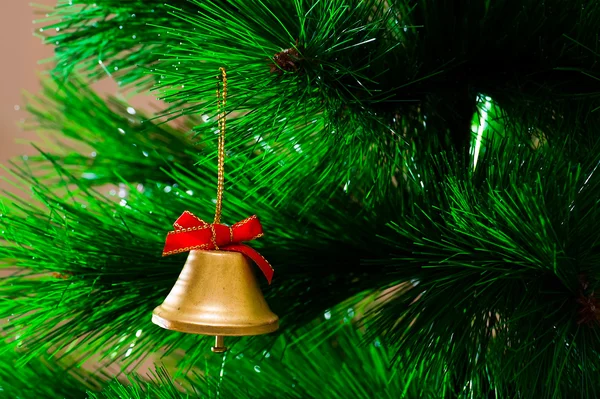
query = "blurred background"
{"x": 25, "y": 60}
{"x": 20, "y": 71}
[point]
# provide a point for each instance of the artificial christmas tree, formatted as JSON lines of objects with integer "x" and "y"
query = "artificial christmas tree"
{"x": 426, "y": 172}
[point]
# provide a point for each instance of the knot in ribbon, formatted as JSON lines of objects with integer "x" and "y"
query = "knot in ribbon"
{"x": 192, "y": 233}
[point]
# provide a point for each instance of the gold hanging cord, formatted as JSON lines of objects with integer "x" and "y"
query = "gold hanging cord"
{"x": 222, "y": 117}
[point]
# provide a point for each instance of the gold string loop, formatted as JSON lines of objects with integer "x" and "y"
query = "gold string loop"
{"x": 222, "y": 117}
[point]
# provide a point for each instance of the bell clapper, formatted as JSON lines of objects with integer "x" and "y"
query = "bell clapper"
{"x": 219, "y": 345}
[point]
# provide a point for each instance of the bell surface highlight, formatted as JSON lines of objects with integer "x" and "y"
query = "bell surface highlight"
{"x": 216, "y": 294}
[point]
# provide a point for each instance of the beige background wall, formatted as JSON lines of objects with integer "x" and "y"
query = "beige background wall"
{"x": 21, "y": 69}
{"x": 20, "y": 52}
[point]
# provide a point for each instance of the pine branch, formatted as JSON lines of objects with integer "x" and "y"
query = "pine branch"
{"x": 96, "y": 270}
{"x": 368, "y": 84}
{"x": 160, "y": 386}
{"x": 497, "y": 260}
{"x": 43, "y": 378}
{"x": 123, "y": 145}
{"x": 293, "y": 369}
{"x": 108, "y": 38}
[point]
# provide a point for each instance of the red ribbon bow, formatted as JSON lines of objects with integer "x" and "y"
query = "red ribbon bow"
{"x": 191, "y": 232}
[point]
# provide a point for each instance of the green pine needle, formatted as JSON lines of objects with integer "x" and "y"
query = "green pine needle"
{"x": 44, "y": 378}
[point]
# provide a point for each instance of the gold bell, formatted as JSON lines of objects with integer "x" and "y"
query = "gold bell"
{"x": 216, "y": 294}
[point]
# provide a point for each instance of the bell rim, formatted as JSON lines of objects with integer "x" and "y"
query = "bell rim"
{"x": 204, "y": 329}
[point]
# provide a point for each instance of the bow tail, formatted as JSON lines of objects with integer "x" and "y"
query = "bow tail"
{"x": 253, "y": 254}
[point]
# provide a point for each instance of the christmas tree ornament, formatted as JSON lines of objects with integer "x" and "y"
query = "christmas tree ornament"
{"x": 217, "y": 292}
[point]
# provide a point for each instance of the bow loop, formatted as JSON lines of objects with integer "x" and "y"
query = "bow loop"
{"x": 193, "y": 233}
{"x": 188, "y": 220}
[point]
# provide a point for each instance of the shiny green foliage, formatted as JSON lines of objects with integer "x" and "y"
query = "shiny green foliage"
{"x": 44, "y": 378}
{"x": 477, "y": 245}
{"x": 161, "y": 386}
{"x": 67, "y": 109}
{"x": 433, "y": 163}
{"x": 293, "y": 368}
{"x": 106, "y": 37}
{"x": 371, "y": 81}
{"x": 499, "y": 261}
